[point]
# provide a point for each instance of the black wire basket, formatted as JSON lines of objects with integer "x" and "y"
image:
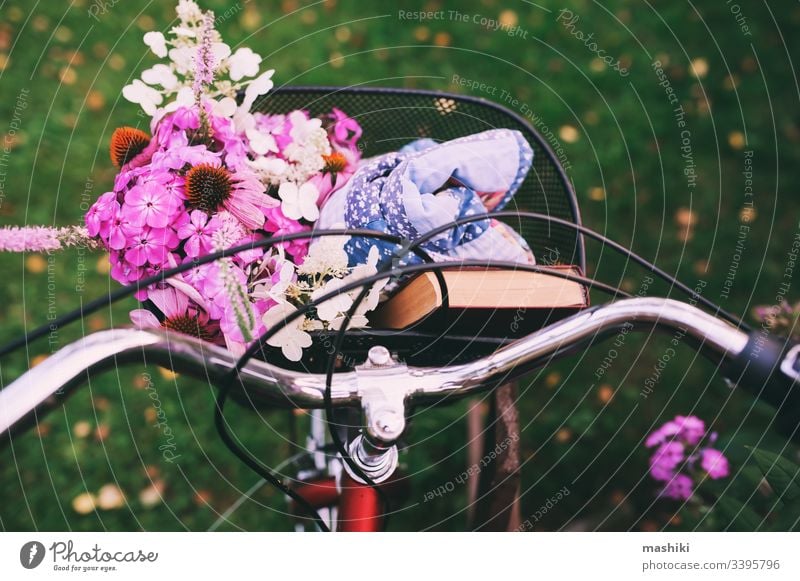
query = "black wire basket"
{"x": 391, "y": 118}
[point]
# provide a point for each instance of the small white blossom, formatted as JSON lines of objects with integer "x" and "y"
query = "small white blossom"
{"x": 361, "y": 272}
{"x": 261, "y": 142}
{"x": 182, "y": 58}
{"x": 157, "y": 43}
{"x": 225, "y": 107}
{"x": 269, "y": 169}
{"x": 188, "y": 11}
{"x": 333, "y": 307}
{"x": 144, "y": 95}
{"x": 303, "y": 128}
{"x": 299, "y": 202}
{"x": 291, "y": 339}
{"x": 243, "y": 63}
{"x": 357, "y": 321}
{"x": 221, "y": 51}
{"x": 326, "y": 256}
{"x": 259, "y": 86}
{"x": 183, "y": 31}
{"x": 160, "y": 75}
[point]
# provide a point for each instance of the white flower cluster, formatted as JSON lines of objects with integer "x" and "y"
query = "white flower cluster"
{"x": 303, "y": 156}
{"x": 171, "y": 83}
{"x": 324, "y": 272}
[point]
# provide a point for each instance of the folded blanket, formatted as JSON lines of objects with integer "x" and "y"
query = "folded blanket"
{"x": 426, "y": 185}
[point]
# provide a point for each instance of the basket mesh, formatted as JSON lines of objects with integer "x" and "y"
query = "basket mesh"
{"x": 391, "y": 118}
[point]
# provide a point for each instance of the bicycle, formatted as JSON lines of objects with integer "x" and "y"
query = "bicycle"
{"x": 403, "y": 370}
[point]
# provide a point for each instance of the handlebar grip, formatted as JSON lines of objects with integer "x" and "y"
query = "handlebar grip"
{"x": 769, "y": 368}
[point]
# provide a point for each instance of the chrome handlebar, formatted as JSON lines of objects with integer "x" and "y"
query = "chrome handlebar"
{"x": 383, "y": 387}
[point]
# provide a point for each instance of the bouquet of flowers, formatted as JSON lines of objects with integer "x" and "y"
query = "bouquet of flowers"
{"x": 212, "y": 174}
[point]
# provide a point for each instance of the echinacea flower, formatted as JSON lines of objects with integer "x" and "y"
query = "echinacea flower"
{"x": 211, "y": 188}
{"x": 128, "y": 144}
{"x": 337, "y": 170}
{"x": 180, "y": 315}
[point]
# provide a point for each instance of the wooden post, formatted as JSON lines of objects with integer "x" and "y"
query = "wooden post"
{"x": 498, "y": 507}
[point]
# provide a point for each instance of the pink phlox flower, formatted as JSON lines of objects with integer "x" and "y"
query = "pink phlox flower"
{"x": 148, "y": 204}
{"x": 714, "y": 463}
{"x": 692, "y": 429}
{"x": 98, "y": 218}
{"x": 665, "y": 460}
{"x": 120, "y": 224}
{"x": 150, "y": 245}
{"x": 176, "y": 158}
{"x": 346, "y": 130}
{"x": 680, "y": 487}
{"x": 197, "y": 230}
{"x": 280, "y": 225}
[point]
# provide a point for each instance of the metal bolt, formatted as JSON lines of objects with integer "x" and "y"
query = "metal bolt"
{"x": 390, "y": 423}
{"x": 379, "y": 356}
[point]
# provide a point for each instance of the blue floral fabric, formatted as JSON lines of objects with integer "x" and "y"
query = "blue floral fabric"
{"x": 426, "y": 185}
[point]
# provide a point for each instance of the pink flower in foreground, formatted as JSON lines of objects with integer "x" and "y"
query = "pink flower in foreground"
{"x": 689, "y": 428}
{"x": 280, "y": 225}
{"x": 714, "y": 463}
{"x": 148, "y": 204}
{"x": 665, "y": 460}
{"x": 180, "y": 314}
{"x": 674, "y": 461}
{"x": 680, "y": 487}
{"x": 150, "y": 245}
{"x": 211, "y": 187}
{"x": 98, "y": 216}
{"x": 346, "y": 130}
{"x": 197, "y": 229}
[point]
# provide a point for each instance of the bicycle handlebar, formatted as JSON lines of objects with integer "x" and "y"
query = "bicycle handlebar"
{"x": 763, "y": 364}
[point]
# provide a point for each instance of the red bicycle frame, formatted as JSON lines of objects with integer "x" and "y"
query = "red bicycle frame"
{"x": 359, "y": 504}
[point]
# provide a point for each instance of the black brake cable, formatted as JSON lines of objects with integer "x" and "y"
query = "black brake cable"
{"x": 365, "y": 283}
{"x": 115, "y": 296}
{"x": 255, "y": 466}
{"x": 228, "y": 380}
{"x": 342, "y": 331}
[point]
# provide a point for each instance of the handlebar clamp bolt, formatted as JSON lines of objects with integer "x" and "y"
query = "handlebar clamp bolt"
{"x": 379, "y": 356}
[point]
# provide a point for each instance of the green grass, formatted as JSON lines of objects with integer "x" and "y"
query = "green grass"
{"x": 71, "y": 69}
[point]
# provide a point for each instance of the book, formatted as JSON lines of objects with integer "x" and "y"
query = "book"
{"x": 483, "y": 302}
